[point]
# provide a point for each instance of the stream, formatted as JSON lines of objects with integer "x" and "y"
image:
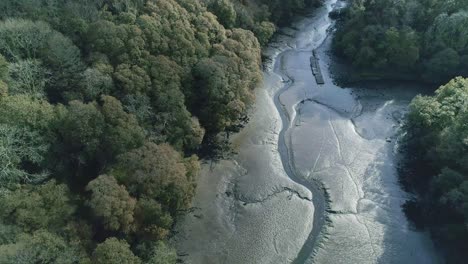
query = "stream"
{"x": 314, "y": 179}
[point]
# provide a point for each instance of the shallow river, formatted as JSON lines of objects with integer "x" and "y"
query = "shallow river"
{"x": 314, "y": 178}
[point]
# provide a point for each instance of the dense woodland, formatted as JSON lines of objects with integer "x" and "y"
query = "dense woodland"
{"x": 436, "y": 166}
{"x": 405, "y": 39}
{"x": 423, "y": 40}
{"x": 104, "y": 106}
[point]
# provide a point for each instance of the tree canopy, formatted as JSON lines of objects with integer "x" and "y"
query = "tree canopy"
{"x": 104, "y": 106}
{"x": 425, "y": 39}
{"x": 436, "y": 166}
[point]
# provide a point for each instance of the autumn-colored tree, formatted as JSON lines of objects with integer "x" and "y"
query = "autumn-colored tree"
{"x": 156, "y": 171}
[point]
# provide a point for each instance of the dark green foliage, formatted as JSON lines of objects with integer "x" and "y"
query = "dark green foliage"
{"x": 90, "y": 135}
{"x": 422, "y": 38}
{"x": 103, "y": 104}
{"x": 225, "y": 11}
{"x": 436, "y": 164}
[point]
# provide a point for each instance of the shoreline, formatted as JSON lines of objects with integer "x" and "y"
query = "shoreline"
{"x": 233, "y": 189}
{"x": 313, "y": 177}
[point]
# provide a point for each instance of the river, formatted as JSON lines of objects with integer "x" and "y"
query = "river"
{"x": 314, "y": 179}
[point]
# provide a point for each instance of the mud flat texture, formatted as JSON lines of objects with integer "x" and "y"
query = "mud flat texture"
{"x": 247, "y": 210}
{"x": 266, "y": 205}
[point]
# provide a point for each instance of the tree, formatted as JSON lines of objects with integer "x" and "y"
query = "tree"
{"x": 225, "y": 12}
{"x": 92, "y": 135}
{"x": 442, "y": 65}
{"x": 26, "y": 112}
{"x": 132, "y": 79}
{"x": 401, "y": 47}
{"x": 437, "y": 146}
{"x": 27, "y": 40}
{"x": 162, "y": 254}
{"x": 122, "y": 131}
{"x": 111, "y": 203}
{"x": 79, "y": 131}
{"x": 448, "y": 31}
{"x": 153, "y": 222}
{"x": 20, "y": 146}
{"x": 156, "y": 171}
{"x": 40, "y": 247}
{"x": 264, "y": 31}
{"x": 27, "y": 77}
{"x": 114, "y": 251}
{"x": 173, "y": 120}
{"x": 95, "y": 83}
{"x": 48, "y": 206}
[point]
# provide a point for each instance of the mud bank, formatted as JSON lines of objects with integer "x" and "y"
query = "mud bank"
{"x": 268, "y": 205}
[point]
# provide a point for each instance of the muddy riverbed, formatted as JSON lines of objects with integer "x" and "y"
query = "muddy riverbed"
{"x": 314, "y": 178}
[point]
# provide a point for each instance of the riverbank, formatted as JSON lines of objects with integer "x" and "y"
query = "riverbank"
{"x": 248, "y": 210}
{"x": 265, "y": 205}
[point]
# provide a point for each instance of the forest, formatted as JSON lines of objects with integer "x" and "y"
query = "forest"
{"x": 422, "y": 40}
{"x": 406, "y": 39}
{"x": 106, "y": 107}
{"x": 436, "y": 166}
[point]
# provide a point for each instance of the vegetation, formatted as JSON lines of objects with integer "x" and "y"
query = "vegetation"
{"x": 425, "y": 39}
{"x": 436, "y": 165}
{"x": 103, "y": 107}
{"x": 422, "y": 40}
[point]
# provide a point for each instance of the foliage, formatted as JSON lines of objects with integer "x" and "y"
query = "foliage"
{"x": 104, "y": 105}
{"x": 113, "y": 251}
{"x": 159, "y": 172}
{"x": 17, "y": 147}
{"x": 162, "y": 254}
{"x": 436, "y": 142}
{"x": 111, "y": 203}
{"x": 424, "y": 38}
{"x": 40, "y": 247}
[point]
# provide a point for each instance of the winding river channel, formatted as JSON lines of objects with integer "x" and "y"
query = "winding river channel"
{"x": 314, "y": 179}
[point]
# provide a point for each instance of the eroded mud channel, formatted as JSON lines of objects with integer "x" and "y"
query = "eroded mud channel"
{"x": 314, "y": 179}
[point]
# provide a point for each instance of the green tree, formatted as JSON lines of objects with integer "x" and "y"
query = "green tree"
{"x": 114, "y": 251}
{"x": 152, "y": 221}
{"x": 40, "y": 247}
{"x": 122, "y": 131}
{"x": 79, "y": 130}
{"x": 442, "y": 65}
{"x": 225, "y": 12}
{"x": 437, "y": 146}
{"x": 111, "y": 203}
{"x": 264, "y": 31}
{"x": 48, "y": 206}
{"x": 24, "y": 39}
